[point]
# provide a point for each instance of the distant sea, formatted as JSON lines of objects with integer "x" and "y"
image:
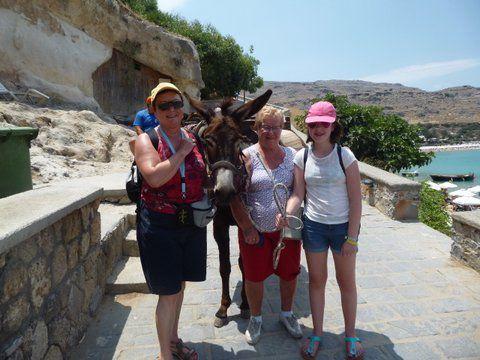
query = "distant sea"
{"x": 453, "y": 162}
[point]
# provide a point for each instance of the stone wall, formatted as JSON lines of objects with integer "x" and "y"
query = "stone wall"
{"x": 394, "y": 195}
{"x": 52, "y": 284}
{"x": 54, "y": 261}
{"x": 466, "y": 238}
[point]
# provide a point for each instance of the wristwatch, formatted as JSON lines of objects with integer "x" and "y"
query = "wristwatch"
{"x": 351, "y": 240}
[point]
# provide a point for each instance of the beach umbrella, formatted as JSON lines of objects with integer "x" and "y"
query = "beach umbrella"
{"x": 433, "y": 186}
{"x": 461, "y": 192}
{"x": 447, "y": 185}
{"x": 467, "y": 200}
{"x": 475, "y": 189}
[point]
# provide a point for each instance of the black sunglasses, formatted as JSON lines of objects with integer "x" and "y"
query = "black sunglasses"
{"x": 177, "y": 104}
{"x": 324, "y": 124}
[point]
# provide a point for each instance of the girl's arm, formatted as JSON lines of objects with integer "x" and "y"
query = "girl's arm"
{"x": 354, "y": 199}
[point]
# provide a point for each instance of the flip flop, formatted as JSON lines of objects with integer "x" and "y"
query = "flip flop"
{"x": 309, "y": 352}
{"x": 353, "y": 354}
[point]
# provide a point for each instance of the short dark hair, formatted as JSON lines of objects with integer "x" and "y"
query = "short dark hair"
{"x": 335, "y": 135}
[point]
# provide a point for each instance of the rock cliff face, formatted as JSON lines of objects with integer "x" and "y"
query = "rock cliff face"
{"x": 70, "y": 143}
{"x": 56, "y": 46}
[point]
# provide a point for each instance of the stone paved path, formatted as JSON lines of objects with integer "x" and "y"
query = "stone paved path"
{"x": 414, "y": 303}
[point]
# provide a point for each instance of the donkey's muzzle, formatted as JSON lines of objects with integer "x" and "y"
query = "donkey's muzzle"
{"x": 224, "y": 188}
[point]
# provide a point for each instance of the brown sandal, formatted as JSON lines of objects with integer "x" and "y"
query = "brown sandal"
{"x": 182, "y": 351}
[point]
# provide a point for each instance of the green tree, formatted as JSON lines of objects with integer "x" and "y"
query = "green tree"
{"x": 385, "y": 141}
{"x": 226, "y": 68}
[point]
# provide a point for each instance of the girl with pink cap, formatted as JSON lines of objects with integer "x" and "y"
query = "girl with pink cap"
{"x": 327, "y": 179}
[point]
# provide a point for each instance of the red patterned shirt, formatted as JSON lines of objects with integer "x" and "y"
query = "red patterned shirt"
{"x": 164, "y": 198}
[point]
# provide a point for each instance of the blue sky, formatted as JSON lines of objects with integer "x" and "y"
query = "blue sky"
{"x": 430, "y": 44}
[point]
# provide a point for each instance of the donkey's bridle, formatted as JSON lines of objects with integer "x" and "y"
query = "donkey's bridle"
{"x": 239, "y": 170}
{"x": 226, "y": 165}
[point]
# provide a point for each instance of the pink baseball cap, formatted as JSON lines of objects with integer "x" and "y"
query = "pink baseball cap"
{"x": 321, "y": 111}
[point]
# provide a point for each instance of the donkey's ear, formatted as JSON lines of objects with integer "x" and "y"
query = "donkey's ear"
{"x": 252, "y": 107}
{"x": 198, "y": 106}
{"x": 225, "y": 106}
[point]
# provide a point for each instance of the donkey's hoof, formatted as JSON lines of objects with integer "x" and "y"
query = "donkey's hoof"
{"x": 220, "y": 321}
{"x": 245, "y": 313}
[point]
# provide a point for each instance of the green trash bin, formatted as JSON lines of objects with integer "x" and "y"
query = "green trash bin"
{"x": 15, "y": 174}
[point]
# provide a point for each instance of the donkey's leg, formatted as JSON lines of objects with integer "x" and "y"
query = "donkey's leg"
{"x": 220, "y": 233}
{"x": 244, "y": 307}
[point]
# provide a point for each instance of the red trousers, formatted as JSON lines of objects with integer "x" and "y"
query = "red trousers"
{"x": 258, "y": 260}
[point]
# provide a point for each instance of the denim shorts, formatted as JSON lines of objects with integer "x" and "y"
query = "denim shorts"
{"x": 319, "y": 237}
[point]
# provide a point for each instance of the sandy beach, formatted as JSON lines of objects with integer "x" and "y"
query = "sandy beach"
{"x": 466, "y": 146}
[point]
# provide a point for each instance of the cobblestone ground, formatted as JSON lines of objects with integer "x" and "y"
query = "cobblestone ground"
{"x": 414, "y": 303}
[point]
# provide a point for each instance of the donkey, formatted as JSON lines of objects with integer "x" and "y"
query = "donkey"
{"x": 223, "y": 140}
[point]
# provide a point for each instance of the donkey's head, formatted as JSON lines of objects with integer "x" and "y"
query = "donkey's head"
{"x": 223, "y": 141}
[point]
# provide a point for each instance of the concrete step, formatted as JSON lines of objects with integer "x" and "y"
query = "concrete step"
{"x": 112, "y": 216}
{"x": 127, "y": 277}
{"x": 130, "y": 245}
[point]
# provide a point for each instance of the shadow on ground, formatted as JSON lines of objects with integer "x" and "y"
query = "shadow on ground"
{"x": 281, "y": 346}
{"x": 128, "y": 332}
{"x": 277, "y": 344}
{"x": 104, "y": 331}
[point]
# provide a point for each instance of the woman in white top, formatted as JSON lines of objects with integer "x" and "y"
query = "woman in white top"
{"x": 328, "y": 179}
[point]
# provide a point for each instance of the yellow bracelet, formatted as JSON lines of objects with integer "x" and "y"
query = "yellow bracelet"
{"x": 351, "y": 241}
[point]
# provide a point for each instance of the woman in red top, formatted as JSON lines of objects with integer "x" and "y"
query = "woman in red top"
{"x": 172, "y": 249}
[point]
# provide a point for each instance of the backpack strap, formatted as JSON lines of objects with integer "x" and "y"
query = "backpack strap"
{"x": 339, "y": 153}
{"x": 134, "y": 185}
{"x": 340, "y": 159}
{"x": 153, "y": 135}
{"x": 305, "y": 157}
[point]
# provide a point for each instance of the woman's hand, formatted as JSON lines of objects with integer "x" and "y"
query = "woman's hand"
{"x": 186, "y": 145}
{"x": 251, "y": 236}
{"x": 348, "y": 249}
{"x": 280, "y": 221}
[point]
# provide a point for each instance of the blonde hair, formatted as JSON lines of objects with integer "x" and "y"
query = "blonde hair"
{"x": 267, "y": 112}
